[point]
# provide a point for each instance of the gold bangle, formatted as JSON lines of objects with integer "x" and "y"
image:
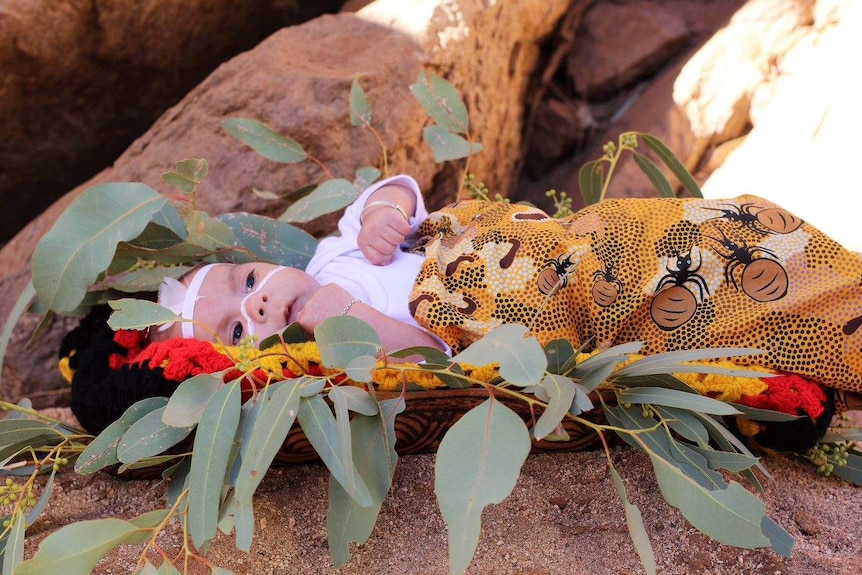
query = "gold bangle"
{"x": 350, "y": 305}
{"x": 393, "y": 205}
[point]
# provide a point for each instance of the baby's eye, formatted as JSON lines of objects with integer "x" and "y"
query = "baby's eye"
{"x": 249, "y": 281}
{"x": 236, "y": 334}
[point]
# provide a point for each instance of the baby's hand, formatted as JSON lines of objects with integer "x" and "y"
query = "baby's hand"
{"x": 328, "y": 301}
{"x": 383, "y": 229}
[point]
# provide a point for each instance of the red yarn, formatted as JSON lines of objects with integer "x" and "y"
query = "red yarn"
{"x": 789, "y": 393}
{"x": 133, "y": 341}
{"x": 181, "y": 358}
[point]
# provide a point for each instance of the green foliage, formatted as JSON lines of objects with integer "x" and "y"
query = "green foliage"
{"x": 120, "y": 238}
{"x": 594, "y": 182}
{"x": 478, "y": 463}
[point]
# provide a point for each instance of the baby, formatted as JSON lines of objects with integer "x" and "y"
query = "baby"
{"x": 364, "y": 272}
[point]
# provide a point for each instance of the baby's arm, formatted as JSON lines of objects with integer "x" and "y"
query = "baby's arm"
{"x": 332, "y": 300}
{"x": 383, "y": 225}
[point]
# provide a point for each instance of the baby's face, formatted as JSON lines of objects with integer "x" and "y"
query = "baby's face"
{"x": 238, "y": 300}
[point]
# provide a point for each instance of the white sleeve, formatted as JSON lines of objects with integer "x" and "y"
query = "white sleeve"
{"x": 348, "y": 226}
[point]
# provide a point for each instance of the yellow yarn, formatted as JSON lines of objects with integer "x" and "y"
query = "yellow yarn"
{"x": 299, "y": 357}
{"x": 67, "y": 372}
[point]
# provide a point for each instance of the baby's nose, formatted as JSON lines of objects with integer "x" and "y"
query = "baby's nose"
{"x": 257, "y": 306}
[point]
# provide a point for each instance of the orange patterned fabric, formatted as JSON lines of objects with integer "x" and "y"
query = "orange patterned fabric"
{"x": 673, "y": 273}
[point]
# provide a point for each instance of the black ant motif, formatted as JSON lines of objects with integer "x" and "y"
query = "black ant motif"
{"x": 560, "y": 267}
{"x": 743, "y": 216}
{"x": 683, "y": 274}
{"x": 740, "y": 255}
{"x": 762, "y": 279}
{"x": 554, "y": 275}
{"x": 606, "y": 286}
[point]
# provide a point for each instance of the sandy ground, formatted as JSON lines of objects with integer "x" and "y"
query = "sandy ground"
{"x": 563, "y": 517}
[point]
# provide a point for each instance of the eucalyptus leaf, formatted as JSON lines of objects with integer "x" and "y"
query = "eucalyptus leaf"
{"x": 673, "y": 361}
{"x": 322, "y": 431}
{"x": 75, "y": 549}
{"x": 671, "y": 161}
{"x": 211, "y": 234}
{"x": 188, "y": 401}
{"x": 278, "y": 411}
{"x": 561, "y": 393}
{"x": 373, "y": 444}
{"x": 732, "y": 516}
{"x": 558, "y": 353}
{"x": 271, "y": 240}
{"x": 764, "y": 414}
{"x": 166, "y": 568}
{"x": 330, "y": 196}
{"x": 145, "y": 522}
{"x": 478, "y": 462}
{"x": 149, "y": 436}
{"x": 360, "y": 109}
{"x": 265, "y": 194}
{"x": 13, "y": 431}
{"x": 150, "y": 462}
{"x": 81, "y": 244}
{"x": 365, "y": 176}
{"x": 779, "y": 539}
{"x": 731, "y": 461}
{"x": 134, "y": 313}
{"x": 353, "y": 399}
{"x": 21, "y": 303}
{"x": 635, "y": 523}
{"x": 264, "y": 140}
{"x": 361, "y": 368}
{"x": 179, "y": 483}
{"x": 657, "y": 443}
{"x": 851, "y": 471}
{"x": 729, "y": 443}
{"x": 674, "y": 398}
{"x": 148, "y": 569}
{"x": 34, "y": 512}
{"x": 441, "y": 101}
{"x": 655, "y": 175}
{"x": 168, "y": 218}
{"x": 13, "y": 551}
{"x": 213, "y": 442}
{"x": 684, "y": 423}
{"x": 594, "y": 370}
{"x": 188, "y": 175}
{"x": 838, "y": 434}
{"x": 102, "y": 451}
{"x": 590, "y": 179}
{"x": 145, "y": 279}
{"x": 342, "y": 338}
{"x": 522, "y": 360}
{"x": 448, "y": 146}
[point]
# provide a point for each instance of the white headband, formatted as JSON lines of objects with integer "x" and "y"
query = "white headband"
{"x": 174, "y": 295}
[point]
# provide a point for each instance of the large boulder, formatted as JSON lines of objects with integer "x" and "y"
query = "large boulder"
{"x": 80, "y": 79}
{"x": 297, "y": 81}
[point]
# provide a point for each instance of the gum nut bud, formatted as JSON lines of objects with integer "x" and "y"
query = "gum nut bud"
{"x": 9, "y": 482}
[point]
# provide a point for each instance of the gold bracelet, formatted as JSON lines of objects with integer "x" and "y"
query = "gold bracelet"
{"x": 393, "y": 205}
{"x": 350, "y": 305}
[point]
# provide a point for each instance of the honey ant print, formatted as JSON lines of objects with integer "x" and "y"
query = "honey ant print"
{"x": 762, "y": 279}
{"x": 606, "y": 286}
{"x": 555, "y": 275}
{"x": 764, "y": 221}
{"x": 674, "y": 302}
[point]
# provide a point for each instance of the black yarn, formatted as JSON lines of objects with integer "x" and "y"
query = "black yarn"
{"x": 100, "y": 395}
{"x": 800, "y": 434}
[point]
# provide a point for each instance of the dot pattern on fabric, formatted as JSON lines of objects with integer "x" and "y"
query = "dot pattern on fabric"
{"x": 672, "y": 273}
